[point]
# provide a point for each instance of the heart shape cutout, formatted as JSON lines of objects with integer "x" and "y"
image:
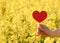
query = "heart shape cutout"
{"x": 39, "y": 16}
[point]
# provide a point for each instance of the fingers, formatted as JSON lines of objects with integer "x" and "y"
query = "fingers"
{"x": 39, "y": 32}
{"x": 44, "y": 28}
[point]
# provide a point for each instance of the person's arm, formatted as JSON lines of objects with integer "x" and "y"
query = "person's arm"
{"x": 56, "y": 32}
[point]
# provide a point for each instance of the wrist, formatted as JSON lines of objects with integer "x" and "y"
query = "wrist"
{"x": 52, "y": 34}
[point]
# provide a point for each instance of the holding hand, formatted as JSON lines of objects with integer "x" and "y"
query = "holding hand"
{"x": 44, "y": 31}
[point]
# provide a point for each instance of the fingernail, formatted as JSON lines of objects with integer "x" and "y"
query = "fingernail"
{"x": 38, "y": 32}
{"x": 40, "y": 25}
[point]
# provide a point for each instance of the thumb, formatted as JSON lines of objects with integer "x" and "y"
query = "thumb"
{"x": 43, "y": 27}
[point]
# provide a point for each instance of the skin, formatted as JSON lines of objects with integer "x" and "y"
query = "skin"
{"x": 46, "y": 32}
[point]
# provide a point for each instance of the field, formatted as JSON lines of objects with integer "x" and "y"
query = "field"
{"x": 17, "y": 24}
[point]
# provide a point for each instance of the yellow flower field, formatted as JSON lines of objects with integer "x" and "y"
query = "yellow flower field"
{"x": 17, "y": 24}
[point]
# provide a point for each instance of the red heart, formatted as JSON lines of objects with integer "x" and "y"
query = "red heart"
{"x": 39, "y": 16}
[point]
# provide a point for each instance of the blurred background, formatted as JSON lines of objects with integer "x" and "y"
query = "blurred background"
{"x": 17, "y": 24}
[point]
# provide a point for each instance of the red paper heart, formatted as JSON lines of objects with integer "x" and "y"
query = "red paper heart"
{"x": 39, "y": 16}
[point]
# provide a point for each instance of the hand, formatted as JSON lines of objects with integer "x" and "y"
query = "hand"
{"x": 44, "y": 31}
